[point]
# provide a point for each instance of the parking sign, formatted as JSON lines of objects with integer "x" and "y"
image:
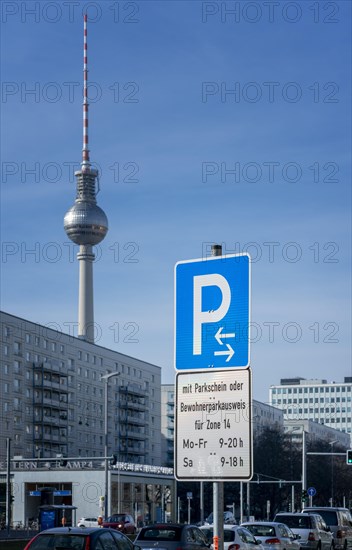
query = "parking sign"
{"x": 212, "y": 312}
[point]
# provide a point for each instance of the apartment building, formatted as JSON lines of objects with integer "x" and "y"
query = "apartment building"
{"x": 52, "y": 397}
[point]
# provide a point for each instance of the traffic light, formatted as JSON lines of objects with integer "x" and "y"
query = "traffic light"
{"x": 113, "y": 460}
{"x": 349, "y": 456}
{"x": 304, "y": 496}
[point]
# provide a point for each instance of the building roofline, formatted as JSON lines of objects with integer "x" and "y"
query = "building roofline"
{"x": 92, "y": 344}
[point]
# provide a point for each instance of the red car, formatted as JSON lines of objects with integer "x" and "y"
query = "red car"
{"x": 80, "y": 538}
{"x": 121, "y": 522}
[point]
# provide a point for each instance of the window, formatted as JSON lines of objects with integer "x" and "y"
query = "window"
{"x": 106, "y": 542}
{"x": 17, "y": 347}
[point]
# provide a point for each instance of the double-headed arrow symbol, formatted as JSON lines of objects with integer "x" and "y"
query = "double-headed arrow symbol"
{"x": 219, "y": 336}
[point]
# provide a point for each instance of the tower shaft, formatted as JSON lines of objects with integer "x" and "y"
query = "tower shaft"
{"x": 85, "y": 294}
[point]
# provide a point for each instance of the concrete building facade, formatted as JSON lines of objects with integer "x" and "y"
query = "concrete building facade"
{"x": 328, "y": 403}
{"x": 52, "y": 397}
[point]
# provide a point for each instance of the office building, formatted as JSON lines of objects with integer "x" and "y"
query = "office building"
{"x": 327, "y": 403}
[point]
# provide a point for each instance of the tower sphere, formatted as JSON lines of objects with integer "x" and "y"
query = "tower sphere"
{"x": 86, "y": 223}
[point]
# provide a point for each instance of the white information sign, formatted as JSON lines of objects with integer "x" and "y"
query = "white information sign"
{"x": 214, "y": 425}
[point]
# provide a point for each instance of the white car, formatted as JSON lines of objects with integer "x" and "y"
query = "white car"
{"x": 273, "y": 535}
{"x": 229, "y": 518}
{"x": 312, "y": 529}
{"x": 235, "y": 537}
{"x": 88, "y": 522}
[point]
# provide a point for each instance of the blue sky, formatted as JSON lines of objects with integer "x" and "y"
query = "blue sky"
{"x": 208, "y": 126}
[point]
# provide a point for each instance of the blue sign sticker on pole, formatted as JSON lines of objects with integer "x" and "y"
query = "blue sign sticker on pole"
{"x": 212, "y": 312}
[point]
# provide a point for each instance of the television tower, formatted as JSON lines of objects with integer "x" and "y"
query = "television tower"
{"x": 85, "y": 223}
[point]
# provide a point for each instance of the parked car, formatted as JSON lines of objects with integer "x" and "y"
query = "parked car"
{"x": 92, "y": 538}
{"x": 88, "y": 522}
{"x": 229, "y": 518}
{"x": 312, "y": 529}
{"x": 121, "y": 522}
{"x": 235, "y": 537}
{"x": 171, "y": 536}
{"x": 340, "y": 522}
{"x": 273, "y": 535}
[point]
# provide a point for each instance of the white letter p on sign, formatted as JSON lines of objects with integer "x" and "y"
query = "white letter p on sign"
{"x": 213, "y": 316}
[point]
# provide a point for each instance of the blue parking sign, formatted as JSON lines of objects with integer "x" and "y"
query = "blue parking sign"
{"x": 212, "y": 312}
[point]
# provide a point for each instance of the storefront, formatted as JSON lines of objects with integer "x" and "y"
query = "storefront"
{"x": 77, "y": 490}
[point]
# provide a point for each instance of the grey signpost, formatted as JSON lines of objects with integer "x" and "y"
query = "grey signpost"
{"x": 213, "y": 383}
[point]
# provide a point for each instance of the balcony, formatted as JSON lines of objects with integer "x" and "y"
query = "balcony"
{"x": 139, "y": 436}
{"x": 132, "y": 390}
{"x": 50, "y": 384}
{"x": 136, "y": 420}
{"x": 131, "y": 451}
{"x": 50, "y": 402}
{"x": 48, "y": 366}
{"x": 133, "y": 405}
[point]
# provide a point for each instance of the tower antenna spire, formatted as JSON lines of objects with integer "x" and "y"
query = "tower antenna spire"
{"x": 85, "y": 150}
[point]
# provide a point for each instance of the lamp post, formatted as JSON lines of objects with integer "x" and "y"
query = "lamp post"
{"x": 304, "y": 465}
{"x": 304, "y": 458}
{"x": 106, "y": 378}
{"x": 332, "y": 471}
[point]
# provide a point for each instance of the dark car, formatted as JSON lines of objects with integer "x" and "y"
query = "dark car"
{"x": 121, "y": 522}
{"x": 76, "y": 538}
{"x": 169, "y": 536}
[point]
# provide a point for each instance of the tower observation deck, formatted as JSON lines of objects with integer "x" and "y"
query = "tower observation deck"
{"x": 85, "y": 222}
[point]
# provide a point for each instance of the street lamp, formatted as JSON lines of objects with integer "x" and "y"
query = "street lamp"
{"x": 107, "y": 377}
{"x": 332, "y": 470}
{"x": 304, "y": 462}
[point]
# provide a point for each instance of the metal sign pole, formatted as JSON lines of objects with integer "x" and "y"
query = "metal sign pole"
{"x": 8, "y": 485}
{"x": 201, "y": 503}
{"x": 216, "y": 515}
